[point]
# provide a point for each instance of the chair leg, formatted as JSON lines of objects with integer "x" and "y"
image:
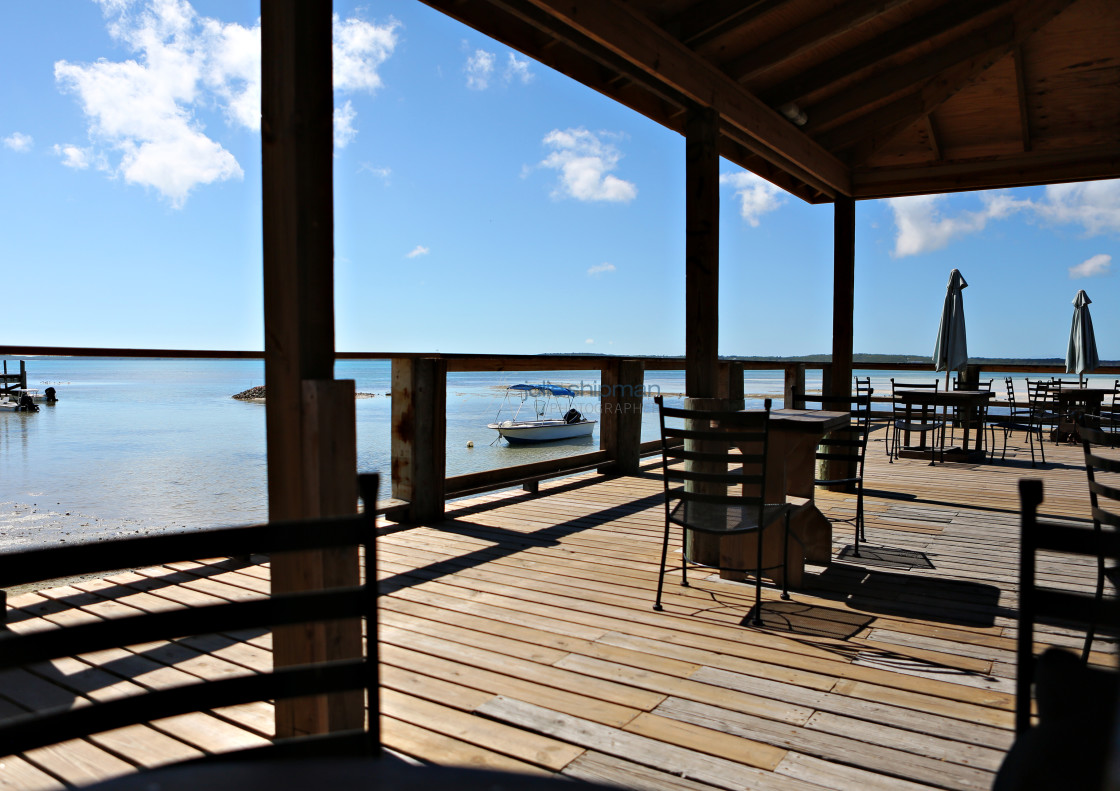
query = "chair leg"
{"x": 661, "y": 574}
{"x": 757, "y": 620}
{"x": 859, "y": 516}
{"x": 785, "y": 561}
{"x": 1096, "y": 610}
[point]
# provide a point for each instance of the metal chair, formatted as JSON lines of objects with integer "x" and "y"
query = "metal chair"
{"x": 1104, "y": 501}
{"x": 1037, "y": 601}
{"x": 846, "y": 448}
{"x": 927, "y": 421}
{"x": 718, "y": 456}
{"x": 1018, "y": 418}
{"x": 1043, "y": 398}
{"x": 1110, "y": 415}
{"x": 38, "y": 729}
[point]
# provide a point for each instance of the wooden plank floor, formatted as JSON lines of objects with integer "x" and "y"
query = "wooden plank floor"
{"x": 519, "y": 634}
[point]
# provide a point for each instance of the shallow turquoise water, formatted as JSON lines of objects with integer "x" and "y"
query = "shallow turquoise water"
{"x": 161, "y": 441}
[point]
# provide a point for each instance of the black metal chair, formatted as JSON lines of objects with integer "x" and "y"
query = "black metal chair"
{"x": 718, "y": 456}
{"x": 1110, "y": 412}
{"x": 1104, "y": 501}
{"x": 17, "y": 649}
{"x": 845, "y": 448}
{"x": 1077, "y": 704}
{"x": 1018, "y": 418}
{"x": 1043, "y": 398}
{"x": 927, "y": 421}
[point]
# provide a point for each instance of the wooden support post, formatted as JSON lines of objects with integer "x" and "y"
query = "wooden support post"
{"x": 620, "y": 415}
{"x": 702, "y": 253}
{"x": 23, "y": 374}
{"x": 309, "y": 417}
{"x": 731, "y": 382}
{"x": 419, "y": 439}
{"x": 843, "y": 315}
{"x": 795, "y": 377}
{"x": 843, "y": 295}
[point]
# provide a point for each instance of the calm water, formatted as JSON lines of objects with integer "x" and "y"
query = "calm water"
{"x": 162, "y": 442}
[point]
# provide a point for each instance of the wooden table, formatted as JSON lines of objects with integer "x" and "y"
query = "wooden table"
{"x": 790, "y": 471}
{"x": 967, "y": 402}
{"x": 1088, "y": 399}
{"x": 335, "y": 774}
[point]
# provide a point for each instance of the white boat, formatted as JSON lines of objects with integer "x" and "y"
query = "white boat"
{"x": 543, "y": 427}
{"x": 23, "y": 400}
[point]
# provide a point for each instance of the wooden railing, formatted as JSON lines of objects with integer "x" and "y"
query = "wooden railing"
{"x": 420, "y": 485}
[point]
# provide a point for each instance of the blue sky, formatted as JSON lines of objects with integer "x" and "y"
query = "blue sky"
{"x": 483, "y": 203}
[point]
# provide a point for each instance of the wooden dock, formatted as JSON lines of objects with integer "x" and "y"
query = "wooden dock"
{"x": 518, "y": 633}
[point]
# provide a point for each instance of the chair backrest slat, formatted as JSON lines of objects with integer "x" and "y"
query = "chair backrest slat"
{"x": 723, "y": 457}
{"x": 19, "y": 648}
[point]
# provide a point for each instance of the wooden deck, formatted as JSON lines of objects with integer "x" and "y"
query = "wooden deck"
{"x": 519, "y": 634}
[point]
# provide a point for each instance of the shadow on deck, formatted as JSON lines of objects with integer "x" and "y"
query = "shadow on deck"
{"x": 518, "y": 634}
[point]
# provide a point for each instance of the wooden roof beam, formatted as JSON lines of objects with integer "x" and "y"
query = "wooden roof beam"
{"x": 1021, "y": 91}
{"x": 889, "y": 45}
{"x": 977, "y": 52}
{"x": 931, "y": 134}
{"x": 878, "y": 128}
{"x": 667, "y": 62}
{"x": 710, "y": 19}
{"x": 818, "y": 30}
{"x": 1036, "y": 167}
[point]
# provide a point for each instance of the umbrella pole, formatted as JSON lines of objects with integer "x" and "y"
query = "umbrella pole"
{"x": 945, "y": 419}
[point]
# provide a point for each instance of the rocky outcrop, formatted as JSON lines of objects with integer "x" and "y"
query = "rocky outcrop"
{"x": 251, "y": 394}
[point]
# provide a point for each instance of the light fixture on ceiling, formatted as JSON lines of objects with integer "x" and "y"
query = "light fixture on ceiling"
{"x": 794, "y": 113}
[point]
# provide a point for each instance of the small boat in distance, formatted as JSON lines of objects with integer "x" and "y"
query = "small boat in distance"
{"x": 543, "y": 427}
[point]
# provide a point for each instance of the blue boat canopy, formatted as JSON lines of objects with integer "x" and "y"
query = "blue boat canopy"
{"x": 556, "y": 390}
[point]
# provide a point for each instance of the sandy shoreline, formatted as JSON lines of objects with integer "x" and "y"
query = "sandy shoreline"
{"x": 34, "y": 525}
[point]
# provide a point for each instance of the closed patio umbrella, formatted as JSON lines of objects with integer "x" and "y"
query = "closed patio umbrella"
{"x": 951, "y": 351}
{"x": 1081, "y": 354}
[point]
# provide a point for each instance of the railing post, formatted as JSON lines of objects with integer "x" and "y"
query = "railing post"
{"x": 419, "y": 435}
{"x": 795, "y": 377}
{"x": 731, "y": 381}
{"x": 620, "y": 415}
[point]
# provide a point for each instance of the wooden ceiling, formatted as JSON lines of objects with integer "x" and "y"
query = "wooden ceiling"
{"x": 867, "y": 98}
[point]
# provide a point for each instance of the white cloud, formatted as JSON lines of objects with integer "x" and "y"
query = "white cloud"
{"x": 344, "y": 129}
{"x": 921, "y": 226}
{"x": 590, "y": 340}
{"x": 518, "y": 70}
{"x": 482, "y": 66}
{"x": 1092, "y": 267}
{"x": 599, "y": 269}
{"x": 418, "y": 251}
{"x": 18, "y": 141}
{"x": 756, "y": 195}
{"x": 479, "y": 68}
{"x": 381, "y": 173}
{"x": 73, "y": 156}
{"x": 143, "y": 112}
{"x": 359, "y": 50}
{"x": 585, "y": 161}
{"x": 1094, "y": 205}
{"x": 232, "y": 69}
